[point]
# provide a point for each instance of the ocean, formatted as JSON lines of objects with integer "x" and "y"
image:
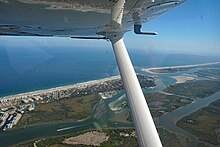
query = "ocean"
{"x": 27, "y": 68}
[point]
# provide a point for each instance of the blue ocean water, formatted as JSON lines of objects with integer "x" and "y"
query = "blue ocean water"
{"x": 26, "y": 68}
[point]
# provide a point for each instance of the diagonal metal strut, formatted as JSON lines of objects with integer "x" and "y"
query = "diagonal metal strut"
{"x": 143, "y": 121}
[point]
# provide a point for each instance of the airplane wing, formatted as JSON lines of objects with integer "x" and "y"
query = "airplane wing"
{"x": 93, "y": 19}
{"x": 68, "y": 18}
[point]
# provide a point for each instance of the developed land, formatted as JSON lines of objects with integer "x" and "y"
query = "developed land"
{"x": 78, "y": 102}
{"x": 77, "y": 108}
{"x": 205, "y": 123}
{"x": 73, "y": 102}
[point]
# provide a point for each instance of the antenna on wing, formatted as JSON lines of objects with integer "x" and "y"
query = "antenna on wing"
{"x": 138, "y": 26}
{"x": 137, "y": 30}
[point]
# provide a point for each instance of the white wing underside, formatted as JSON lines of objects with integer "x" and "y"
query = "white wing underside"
{"x": 66, "y": 18}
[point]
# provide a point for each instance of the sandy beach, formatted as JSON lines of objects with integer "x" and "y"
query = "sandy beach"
{"x": 150, "y": 70}
{"x": 37, "y": 92}
{"x": 183, "y": 79}
{"x": 180, "y": 79}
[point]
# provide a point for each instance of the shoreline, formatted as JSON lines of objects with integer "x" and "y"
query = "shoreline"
{"x": 65, "y": 87}
{"x": 150, "y": 70}
{"x": 37, "y": 92}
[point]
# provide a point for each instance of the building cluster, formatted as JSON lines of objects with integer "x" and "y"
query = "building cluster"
{"x": 9, "y": 119}
{"x": 108, "y": 94}
{"x": 128, "y": 134}
{"x": 11, "y": 109}
{"x": 110, "y": 85}
{"x": 10, "y": 116}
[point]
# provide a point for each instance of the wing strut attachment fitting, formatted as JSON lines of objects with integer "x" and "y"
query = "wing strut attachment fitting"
{"x": 143, "y": 122}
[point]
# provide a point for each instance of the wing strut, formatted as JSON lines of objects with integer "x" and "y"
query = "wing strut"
{"x": 143, "y": 121}
{"x": 144, "y": 125}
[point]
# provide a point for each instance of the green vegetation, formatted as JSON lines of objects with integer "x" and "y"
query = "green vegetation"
{"x": 165, "y": 70}
{"x": 201, "y": 145}
{"x": 170, "y": 139}
{"x": 160, "y": 101}
{"x": 117, "y": 137}
{"x": 195, "y": 89}
{"x": 170, "y": 70}
{"x": 64, "y": 109}
{"x": 209, "y": 73}
{"x": 203, "y": 123}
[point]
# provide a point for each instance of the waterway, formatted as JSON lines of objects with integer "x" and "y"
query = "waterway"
{"x": 97, "y": 120}
{"x": 43, "y": 130}
{"x": 169, "y": 121}
{"x": 102, "y": 116}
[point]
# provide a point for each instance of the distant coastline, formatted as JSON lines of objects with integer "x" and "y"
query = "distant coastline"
{"x": 25, "y": 94}
{"x": 161, "y": 70}
{"x": 149, "y": 70}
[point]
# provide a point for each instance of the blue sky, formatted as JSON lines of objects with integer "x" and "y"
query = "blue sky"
{"x": 191, "y": 28}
